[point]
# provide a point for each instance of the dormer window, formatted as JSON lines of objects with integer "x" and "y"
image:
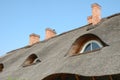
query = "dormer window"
{"x": 91, "y": 46}
{"x": 1, "y": 67}
{"x": 31, "y": 60}
{"x": 86, "y": 43}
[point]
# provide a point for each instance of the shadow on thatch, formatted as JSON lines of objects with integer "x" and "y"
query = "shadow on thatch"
{"x": 31, "y": 60}
{"x": 67, "y": 76}
{"x": 1, "y": 67}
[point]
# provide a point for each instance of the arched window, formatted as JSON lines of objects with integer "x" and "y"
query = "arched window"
{"x": 86, "y": 43}
{"x": 66, "y": 76}
{"x": 32, "y": 59}
{"x": 91, "y": 46}
{"x": 69, "y": 76}
{"x": 1, "y": 67}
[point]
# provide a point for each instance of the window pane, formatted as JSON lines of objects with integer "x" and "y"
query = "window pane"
{"x": 102, "y": 78}
{"x": 85, "y": 78}
{"x": 57, "y": 78}
{"x": 88, "y": 48}
{"x": 95, "y": 46}
{"x": 116, "y": 77}
{"x": 70, "y": 77}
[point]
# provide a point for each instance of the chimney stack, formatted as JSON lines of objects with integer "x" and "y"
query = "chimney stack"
{"x": 96, "y": 14}
{"x": 34, "y": 38}
{"x": 50, "y": 33}
{"x": 89, "y": 19}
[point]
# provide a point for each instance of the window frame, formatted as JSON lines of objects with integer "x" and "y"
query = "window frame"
{"x": 90, "y": 42}
{"x": 31, "y": 60}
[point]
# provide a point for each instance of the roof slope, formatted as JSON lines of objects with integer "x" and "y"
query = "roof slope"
{"x": 52, "y": 54}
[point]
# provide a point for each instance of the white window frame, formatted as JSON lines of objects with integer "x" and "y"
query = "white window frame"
{"x": 91, "y": 41}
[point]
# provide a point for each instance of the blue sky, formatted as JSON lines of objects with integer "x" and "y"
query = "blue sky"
{"x": 19, "y": 18}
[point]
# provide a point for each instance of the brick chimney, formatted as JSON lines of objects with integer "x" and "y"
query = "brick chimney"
{"x": 96, "y": 14}
{"x": 89, "y": 19}
{"x": 34, "y": 38}
{"x": 50, "y": 33}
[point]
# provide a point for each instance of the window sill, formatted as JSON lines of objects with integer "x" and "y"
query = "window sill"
{"x": 86, "y": 52}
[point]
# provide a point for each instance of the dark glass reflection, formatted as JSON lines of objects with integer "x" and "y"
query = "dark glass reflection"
{"x": 85, "y": 78}
{"x": 95, "y": 46}
{"x": 102, "y": 78}
{"x": 91, "y": 46}
{"x": 71, "y": 77}
{"x": 116, "y": 77}
{"x": 88, "y": 48}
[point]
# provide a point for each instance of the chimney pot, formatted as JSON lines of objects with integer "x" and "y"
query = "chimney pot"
{"x": 96, "y": 5}
{"x": 89, "y": 19}
{"x": 50, "y": 33}
{"x": 96, "y": 14}
{"x": 34, "y": 38}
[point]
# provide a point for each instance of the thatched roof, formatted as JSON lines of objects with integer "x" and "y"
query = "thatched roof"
{"x": 55, "y": 58}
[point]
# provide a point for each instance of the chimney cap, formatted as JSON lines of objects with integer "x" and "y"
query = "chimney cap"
{"x": 33, "y": 34}
{"x": 52, "y": 30}
{"x": 96, "y": 5}
{"x": 89, "y": 17}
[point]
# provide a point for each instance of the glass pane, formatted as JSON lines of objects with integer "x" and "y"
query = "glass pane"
{"x": 70, "y": 77}
{"x": 95, "y": 46}
{"x": 88, "y": 48}
{"x": 102, "y": 78}
{"x": 57, "y": 78}
{"x": 85, "y": 78}
{"x": 116, "y": 77}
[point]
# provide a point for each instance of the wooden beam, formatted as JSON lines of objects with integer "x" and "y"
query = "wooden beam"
{"x": 93, "y": 78}
{"x": 63, "y": 76}
{"x": 110, "y": 77}
{"x": 77, "y": 77}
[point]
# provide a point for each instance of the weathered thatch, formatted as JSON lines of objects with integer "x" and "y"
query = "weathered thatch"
{"x": 55, "y": 57}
